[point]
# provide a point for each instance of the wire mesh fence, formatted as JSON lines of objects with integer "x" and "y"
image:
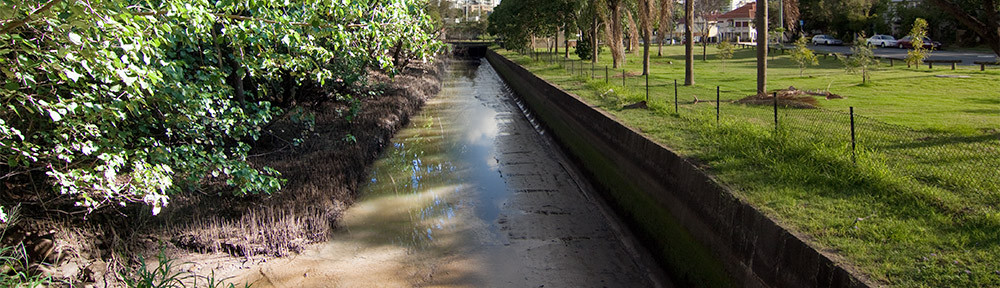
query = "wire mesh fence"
{"x": 965, "y": 164}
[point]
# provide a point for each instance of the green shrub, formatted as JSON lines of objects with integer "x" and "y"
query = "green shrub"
{"x": 918, "y": 53}
{"x": 802, "y": 55}
{"x": 120, "y": 101}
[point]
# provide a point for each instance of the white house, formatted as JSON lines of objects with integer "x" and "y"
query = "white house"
{"x": 737, "y": 25}
{"x": 701, "y": 24}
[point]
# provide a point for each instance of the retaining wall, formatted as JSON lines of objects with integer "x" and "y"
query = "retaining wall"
{"x": 666, "y": 197}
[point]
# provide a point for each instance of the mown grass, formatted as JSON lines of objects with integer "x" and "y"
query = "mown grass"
{"x": 914, "y": 205}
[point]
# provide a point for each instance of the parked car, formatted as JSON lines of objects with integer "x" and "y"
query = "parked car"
{"x": 907, "y": 43}
{"x": 826, "y": 40}
{"x": 882, "y": 41}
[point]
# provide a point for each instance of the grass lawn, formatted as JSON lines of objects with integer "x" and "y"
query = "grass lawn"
{"x": 916, "y": 205}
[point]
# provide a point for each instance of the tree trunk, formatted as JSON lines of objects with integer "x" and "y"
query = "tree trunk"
{"x": 633, "y": 35}
{"x": 593, "y": 41}
{"x": 704, "y": 39}
{"x": 689, "y": 43}
{"x": 646, "y": 25}
{"x": 616, "y": 44}
{"x": 666, "y": 16}
{"x": 557, "y": 41}
{"x": 566, "y": 38}
{"x": 761, "y": 18}
{"x": 548, "y": 45}
{"x": 531, "y": 47}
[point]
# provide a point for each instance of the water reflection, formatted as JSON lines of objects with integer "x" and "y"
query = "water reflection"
{"x": 433, "y": 198}
{"x": 451, "y": 144}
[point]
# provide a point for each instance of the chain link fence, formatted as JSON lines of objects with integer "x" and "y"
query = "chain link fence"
{"x": 965, "y": 164}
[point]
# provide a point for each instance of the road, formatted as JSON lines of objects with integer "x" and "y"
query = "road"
{"x": 967, "y": 57}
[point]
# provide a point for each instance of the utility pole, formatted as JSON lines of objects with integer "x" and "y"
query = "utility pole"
{"x": 761, "y": 46}
{"x": 781, "y": 20}
{"x": 689, "y": 43}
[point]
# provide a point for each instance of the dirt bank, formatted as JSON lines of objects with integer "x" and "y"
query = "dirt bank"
{"x": 323, "y": 174}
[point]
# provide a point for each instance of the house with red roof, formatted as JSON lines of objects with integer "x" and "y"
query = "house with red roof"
{"x": 737, "y": 25}
{"x": 705, "y": 27}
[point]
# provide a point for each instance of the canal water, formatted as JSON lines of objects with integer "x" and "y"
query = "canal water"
{"x": 471, "y": 193}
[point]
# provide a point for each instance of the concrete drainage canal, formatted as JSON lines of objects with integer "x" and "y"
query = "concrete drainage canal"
{"x": 472, "y": 194}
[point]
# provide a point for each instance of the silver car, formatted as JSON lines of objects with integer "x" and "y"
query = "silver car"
{"x": 882, "y": 41}
{"x": 826, "y": 40}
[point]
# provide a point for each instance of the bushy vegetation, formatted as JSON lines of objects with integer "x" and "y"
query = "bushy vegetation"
{"x": 918, "y": 53}
{"x": 167, "y": 274}
{"x": 725, "y": 52}
{"x": 117, "y": 101}
{"x": 515, "y": 22}
{"x": 14, "y": 262}
{"x": 861, "y": 60}
{"x": 802, "y": 55}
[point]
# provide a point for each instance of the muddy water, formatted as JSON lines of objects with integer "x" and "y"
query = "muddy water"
{"x": 470, "y": 194}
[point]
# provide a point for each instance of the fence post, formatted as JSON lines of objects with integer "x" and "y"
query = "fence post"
{"x": 675, "y": 96}
{"x": 647, "y": 88}
{"x": 623, "y": 78}
{"x": 775, "y": 111}
{"x": 717, "y": 104}
{"x": 853, "y": 141}
{"x": 605, "y": 74}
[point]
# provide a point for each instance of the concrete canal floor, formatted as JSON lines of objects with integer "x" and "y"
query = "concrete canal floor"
{"x": 471, "y": 194}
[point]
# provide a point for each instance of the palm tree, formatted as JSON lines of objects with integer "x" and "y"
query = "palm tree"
{"x": 615, "y": 32}
{"x": 666, "y": 21}
{"x": 645, "y": 28}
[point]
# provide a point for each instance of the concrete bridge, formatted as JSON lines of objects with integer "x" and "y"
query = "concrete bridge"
{"x": 468, "y": 48}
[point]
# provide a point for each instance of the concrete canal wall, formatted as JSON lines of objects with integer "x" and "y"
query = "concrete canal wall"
{"x": 703, "y": 235}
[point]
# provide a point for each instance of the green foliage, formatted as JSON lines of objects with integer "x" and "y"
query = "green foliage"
{"x": 860, "y": 60}
{"x": 166, "y": 275}
{"x": 918, "y": 53}
{"x": 843, "y": 18}
{"x": 776, "y": 36}
{"x": 802, "y": 55}
{"x": 584, "y": 49}
{"x": 515, "y": 21}
{"x": 120, "y": 101}
{"x": 725, "y": 52}
{"x": 14, "y": 263}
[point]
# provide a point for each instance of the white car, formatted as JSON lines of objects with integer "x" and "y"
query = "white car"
{"x": 826, "y": 40}
{"x": 882, "y": 41}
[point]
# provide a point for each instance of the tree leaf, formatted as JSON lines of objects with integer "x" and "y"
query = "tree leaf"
{"x": 75, "y": 38}
{"x": 55, "y": 115}
{"x": 72, "y": 75}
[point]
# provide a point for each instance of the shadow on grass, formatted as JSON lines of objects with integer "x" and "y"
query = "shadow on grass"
{"x": 983, "y": 111}
{"x": 990, "y": 101}
{"x": 946, "y": 141}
